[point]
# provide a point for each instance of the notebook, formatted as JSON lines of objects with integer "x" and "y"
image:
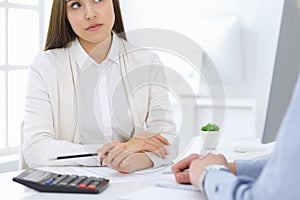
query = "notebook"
{"x": 166, "y": 190}
{"x": 175, "y": 186}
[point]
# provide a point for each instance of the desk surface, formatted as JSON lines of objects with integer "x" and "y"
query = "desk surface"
{"x": 121, "y": 184}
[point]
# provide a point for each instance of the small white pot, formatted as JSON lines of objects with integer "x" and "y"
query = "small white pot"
{"x": 210, "y": 139}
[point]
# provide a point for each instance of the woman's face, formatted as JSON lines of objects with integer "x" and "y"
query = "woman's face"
{"x": 91, "y": 20}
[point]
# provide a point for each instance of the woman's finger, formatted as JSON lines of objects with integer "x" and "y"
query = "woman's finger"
{"x": 111, "y": 155}
{"x": 105, "y": 148}
{"x": 119, "y": 159}
{"x": 154, "y": 142}
{"x": 148, "y": 147}
{"x": 162, "y": 139}
{"x": 127, "y": 164}
{"x": 161, "y": 152}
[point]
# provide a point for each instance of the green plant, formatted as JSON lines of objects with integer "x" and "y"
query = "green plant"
{"x": 210, "y": 127}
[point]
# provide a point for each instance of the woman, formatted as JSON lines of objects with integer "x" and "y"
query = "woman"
{"x": 76, "y": 84}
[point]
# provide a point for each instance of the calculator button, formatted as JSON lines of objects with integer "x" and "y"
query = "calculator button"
{"x": 92, "y": 187}
{"x": 76, "y": 181}
{"x": 59, "y": 178}
{"x": 67, "y": 180}
{"x": 82, "y": 186}
{"x": 49, "y": 182}
{"x": 85, "y": 183}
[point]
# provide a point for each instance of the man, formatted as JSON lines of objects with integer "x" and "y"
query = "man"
{"x": 268, "y": 179}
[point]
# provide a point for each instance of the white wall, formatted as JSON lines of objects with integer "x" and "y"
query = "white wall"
{"x": 259, "y": 23}
{"x": 47, "y": 4}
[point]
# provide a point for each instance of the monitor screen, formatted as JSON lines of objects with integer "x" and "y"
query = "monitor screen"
{"x": 285, "y": 72}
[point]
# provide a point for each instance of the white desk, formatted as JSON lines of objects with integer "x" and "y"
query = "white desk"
{"x": 120, "y": 184}
{"x": 133, "y": 182}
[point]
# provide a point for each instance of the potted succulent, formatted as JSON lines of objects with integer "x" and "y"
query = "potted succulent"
{"x": 210, "y": 136}
{"x": 210, "y": 127}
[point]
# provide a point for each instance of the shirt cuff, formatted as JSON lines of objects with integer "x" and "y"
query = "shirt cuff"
{"x": 225, "y": 185}
{"x": 158, "y": 162}
{"x": 173, "y": 153}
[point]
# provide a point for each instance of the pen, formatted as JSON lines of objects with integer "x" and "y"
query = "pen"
{"x": 75, "y": 156}
{"x": 170, "y": 172}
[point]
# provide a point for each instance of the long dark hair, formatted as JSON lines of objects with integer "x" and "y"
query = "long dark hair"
{"x": 60, "y": 32}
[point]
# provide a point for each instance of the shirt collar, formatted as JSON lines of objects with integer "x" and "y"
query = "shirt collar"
{"x": 83, "y": 60}
{"x": 114, "y": 51}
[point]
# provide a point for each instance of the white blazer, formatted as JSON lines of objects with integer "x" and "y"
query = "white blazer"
{"x": 49, "y": 124}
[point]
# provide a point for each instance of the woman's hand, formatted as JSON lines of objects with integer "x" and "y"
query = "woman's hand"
{"x": 129, "y": 156}
{"x": 122, "y": 160}
{"x": 144, "y": 142}
{"x": 148, "y": 142}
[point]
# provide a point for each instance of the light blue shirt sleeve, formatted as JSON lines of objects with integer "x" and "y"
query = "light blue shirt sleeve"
{"x": 280, "y": 177}
{"x": 222, "y": 185}
{"x": 251, "y": 168}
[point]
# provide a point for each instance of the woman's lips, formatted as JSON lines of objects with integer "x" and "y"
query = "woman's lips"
{"x": 94, "y": 27}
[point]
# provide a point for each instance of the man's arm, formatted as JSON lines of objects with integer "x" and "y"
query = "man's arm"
{"x": 250, "y": 168}
{"x": 225, "y": 185}
{"x": 219, "y": 182}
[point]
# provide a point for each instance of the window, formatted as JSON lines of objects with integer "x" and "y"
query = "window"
{"x": 2, "y": 37}
{"x": 26, "y": 2}
{"x": 21, "y": 37}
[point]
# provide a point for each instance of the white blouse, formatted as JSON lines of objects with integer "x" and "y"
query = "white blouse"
{"x": 111, "y": 112}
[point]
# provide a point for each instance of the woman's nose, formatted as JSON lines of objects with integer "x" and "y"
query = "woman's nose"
{"x": 90, "y": 13}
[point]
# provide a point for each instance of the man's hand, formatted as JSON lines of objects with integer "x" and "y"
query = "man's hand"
{"x": 198, "y": 165}
{"x": 182, "y": 176}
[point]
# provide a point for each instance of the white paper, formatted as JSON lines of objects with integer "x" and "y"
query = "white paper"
{"x": 157, "y": 193}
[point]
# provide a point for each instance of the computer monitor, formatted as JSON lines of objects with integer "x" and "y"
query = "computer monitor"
{"x": 285, "y": 72}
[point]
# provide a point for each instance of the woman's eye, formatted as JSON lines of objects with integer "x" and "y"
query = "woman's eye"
{"x": 96, "y": 1}
{"x": 75, "y": 5}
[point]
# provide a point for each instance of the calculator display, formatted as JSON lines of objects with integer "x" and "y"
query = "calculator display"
{"x": 37, "y": 175}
